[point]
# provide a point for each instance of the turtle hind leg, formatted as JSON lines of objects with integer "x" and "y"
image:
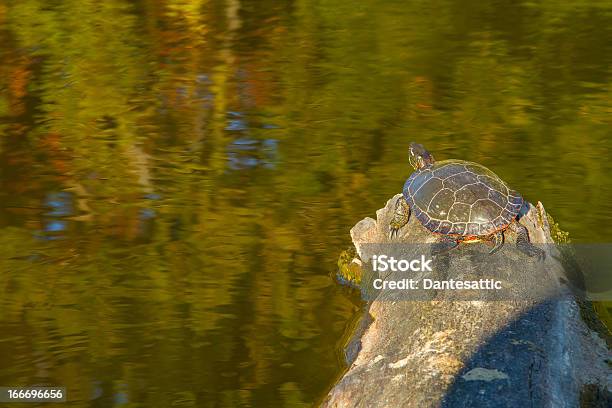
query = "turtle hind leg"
{"x": 444, "y": 245}
{"x": 523, "y": 244}
{"x": 497, "y": 241}
{"x": 400, "y": 218}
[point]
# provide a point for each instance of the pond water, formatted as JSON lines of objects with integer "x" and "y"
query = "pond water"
{"x": 178, "y": 177}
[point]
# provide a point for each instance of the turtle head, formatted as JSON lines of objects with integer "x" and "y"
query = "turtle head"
{"x": 419, "y": 157}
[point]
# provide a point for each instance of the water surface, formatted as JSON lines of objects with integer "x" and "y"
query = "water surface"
{"x": 178, "y": 177}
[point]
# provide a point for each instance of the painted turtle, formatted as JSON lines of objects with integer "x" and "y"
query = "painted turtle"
{"x": 462, "y": 201}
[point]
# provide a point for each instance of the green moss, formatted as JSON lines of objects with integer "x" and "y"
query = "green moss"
{"x": 557, "y": 234}
{"x": 349, "y": 272}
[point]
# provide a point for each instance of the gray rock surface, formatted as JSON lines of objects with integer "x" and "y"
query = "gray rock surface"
{"x": 516, "y": 352}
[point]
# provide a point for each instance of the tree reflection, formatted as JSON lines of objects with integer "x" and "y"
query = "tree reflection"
{"x": 178, "y": 177}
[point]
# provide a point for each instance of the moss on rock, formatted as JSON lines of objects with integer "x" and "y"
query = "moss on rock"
{"x": 349, "y": 267}
{"x": 557, "y": 234}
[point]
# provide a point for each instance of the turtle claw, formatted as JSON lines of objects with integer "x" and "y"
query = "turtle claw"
{"x": 393, "y": 232}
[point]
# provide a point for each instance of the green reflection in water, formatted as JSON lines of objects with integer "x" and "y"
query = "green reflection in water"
{"x": 178, "y": 177}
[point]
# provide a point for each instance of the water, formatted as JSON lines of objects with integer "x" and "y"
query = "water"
{"x": 178, "y": 177}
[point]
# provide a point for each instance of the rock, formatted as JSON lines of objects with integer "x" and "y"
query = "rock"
{"x": 514, "y": 352}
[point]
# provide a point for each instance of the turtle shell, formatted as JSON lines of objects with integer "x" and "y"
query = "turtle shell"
{"x": 455, "y": 197}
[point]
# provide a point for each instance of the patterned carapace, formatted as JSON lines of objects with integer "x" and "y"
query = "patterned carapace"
{"x": 455, "y": 197}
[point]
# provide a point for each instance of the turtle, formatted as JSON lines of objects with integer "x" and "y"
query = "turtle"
{"x": 461, "y": 201}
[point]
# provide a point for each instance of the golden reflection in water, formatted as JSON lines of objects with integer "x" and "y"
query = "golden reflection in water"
{"x": 178, "y": 177}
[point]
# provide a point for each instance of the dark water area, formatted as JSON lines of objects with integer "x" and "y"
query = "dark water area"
{"x": 177, "y": 178}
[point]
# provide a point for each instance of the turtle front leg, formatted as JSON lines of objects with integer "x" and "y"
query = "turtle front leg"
{"x": 445, "y": 244}
{"x": 400, "y": 217}
{"x": 522, "y": 241}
